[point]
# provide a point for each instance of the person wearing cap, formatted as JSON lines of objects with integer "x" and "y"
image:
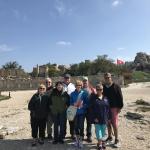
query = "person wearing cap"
{"x": 59, "y": 101}
{"x": 113, "y": 92}
{"x": 39, "y": 108}
{"x": 100, "y": 115}
{"x": 69, "y": 88}
{"x": 78, "y": 98}
{"x": 90, "y": 90}
{"x": 49, "y": 89}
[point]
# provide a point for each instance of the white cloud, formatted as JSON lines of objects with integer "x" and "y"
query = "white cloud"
{"x": 61, "y": 8}
{"x": 5, "y": 48}
{"x": 20, "y": 16}
{"x": 63, "y": 43}
{"x": 116, "y": 3}
{"x": 120, "y": 48}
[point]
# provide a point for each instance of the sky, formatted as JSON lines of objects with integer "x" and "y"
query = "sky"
{"x": 70, "y": 31}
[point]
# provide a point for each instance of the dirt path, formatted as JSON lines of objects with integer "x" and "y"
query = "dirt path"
{"x": 134, "y": 134}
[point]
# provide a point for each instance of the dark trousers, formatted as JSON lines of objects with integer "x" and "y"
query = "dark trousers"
{"x": 71, "y": 124}
{"x": 59, "y": 124}
{"x": 79, "y": 124}
{"x": 49, "y": 124}
{"x": 88, "y": 125}
{"x": 38, "y": 126}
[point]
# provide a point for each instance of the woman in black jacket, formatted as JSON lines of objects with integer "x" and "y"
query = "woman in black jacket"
{"x": 39, "y": 108}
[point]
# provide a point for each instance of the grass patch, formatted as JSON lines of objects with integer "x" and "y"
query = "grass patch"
{"x": 139, "y": 76}
{"x": 4, "y": 97}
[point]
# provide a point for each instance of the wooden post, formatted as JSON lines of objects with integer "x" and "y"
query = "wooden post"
{"x": 9, "y": 94}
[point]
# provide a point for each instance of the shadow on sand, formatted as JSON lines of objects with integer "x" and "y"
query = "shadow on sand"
{"x": 25, "y": 144}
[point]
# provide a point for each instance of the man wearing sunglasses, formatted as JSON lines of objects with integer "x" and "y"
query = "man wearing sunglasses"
{"x": 114, "y": 94}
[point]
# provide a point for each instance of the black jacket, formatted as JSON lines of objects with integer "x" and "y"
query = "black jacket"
{"x": 114, "y": 95}
{"x": 39, "y": 108}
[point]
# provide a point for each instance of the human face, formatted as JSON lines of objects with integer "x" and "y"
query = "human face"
{"x": 78, "y": 87}
{"x": 48, "y": 83}
{"x": 67, "y": 80}
{"x": 59, "y": 87}
{"x": 99, "y": 91}
{"x": 85, "y": 84}
{"x": 42, "y": 90}
{"x": 108, "y": 80}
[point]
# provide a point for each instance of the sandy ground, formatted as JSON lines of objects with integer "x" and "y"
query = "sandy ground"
{"x": 134, "y": 134}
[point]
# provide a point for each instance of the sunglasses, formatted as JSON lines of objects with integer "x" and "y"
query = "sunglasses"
{"x": 42, "y": 88}
{"x": 78, "y": 85}
{"x": 99, "y": 89}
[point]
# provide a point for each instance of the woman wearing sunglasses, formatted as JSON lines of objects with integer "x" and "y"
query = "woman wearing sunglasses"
{"x": 39, "y": 108}
{"x": 100, "y": 115}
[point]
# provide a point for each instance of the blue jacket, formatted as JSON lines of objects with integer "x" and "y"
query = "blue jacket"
{"x": 99, "y": 109}
{"x": 83, "y": 96}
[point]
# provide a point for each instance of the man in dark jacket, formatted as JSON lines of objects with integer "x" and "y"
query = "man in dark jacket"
{"x": 39, "y": 108}
{"x": 49, "y": 89}
{"x": 114, "y": 94}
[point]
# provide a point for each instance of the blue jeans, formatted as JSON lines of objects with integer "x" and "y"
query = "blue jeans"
{"x": 100, "y": 131}
{"x": 79, "y": 124}
{"x": 59, "y": 126}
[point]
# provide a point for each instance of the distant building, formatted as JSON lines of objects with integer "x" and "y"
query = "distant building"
{"x": 12, "y": 73}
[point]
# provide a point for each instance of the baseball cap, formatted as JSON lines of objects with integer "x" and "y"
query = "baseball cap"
{"x": 85, "y": 78}
{"x": 67, "y": 76}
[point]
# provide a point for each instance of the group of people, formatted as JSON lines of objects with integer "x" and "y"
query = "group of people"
{"x": 99, "y": 105}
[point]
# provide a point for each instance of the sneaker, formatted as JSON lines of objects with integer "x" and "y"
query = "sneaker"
{"x": 117, "y": 144}
{"x": 109, "y": 140}
{"x": 72, "y": 137}
{"x": 41, "y": 141}
{"x": 100, "y": 147}
{"x": 76, "y": 144}
{"x": 89, "y": 139}
{"x": 80, "y": 145}
{"x": 103, "y": 145}
{"x": 34, "y": 142}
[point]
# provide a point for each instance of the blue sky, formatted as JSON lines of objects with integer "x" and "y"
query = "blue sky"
{"x": 70, "y": 31}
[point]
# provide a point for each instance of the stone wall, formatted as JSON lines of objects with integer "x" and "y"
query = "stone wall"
{"x": 32, "y": 84}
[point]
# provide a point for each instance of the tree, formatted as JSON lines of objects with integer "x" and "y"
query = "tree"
{"x": 12, "y": 65}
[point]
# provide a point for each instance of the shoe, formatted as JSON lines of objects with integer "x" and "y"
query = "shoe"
{"x": 116, "y": 144}
{"x": 109, "y": 141}
{"x": 73, "y": 137}
{"x": 89, "y": 139}
{"x": 34, "y": 142}
{"x": 49, "y": 137}
{"x": 61, "y": 141}
{"x": 76, "y": 144}
{"x": 103, "y": 145}
{"x": 100, "y": 147}
{"x": 80, "y": 145}
{"x": 41, "y": 141}
{"x": 55, "y": 142}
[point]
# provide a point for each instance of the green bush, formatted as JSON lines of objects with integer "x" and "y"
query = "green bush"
{"x": 4, "y": 97}
{"x": 139, "y": 76}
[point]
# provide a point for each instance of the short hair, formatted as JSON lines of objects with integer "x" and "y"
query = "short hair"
{"x": 58, "y": 82}
{"x": 99, "y": 85}
{"x": 41, "y": 86}
{"x": 107, "y": 74}
{"x": 78, "y": 82}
